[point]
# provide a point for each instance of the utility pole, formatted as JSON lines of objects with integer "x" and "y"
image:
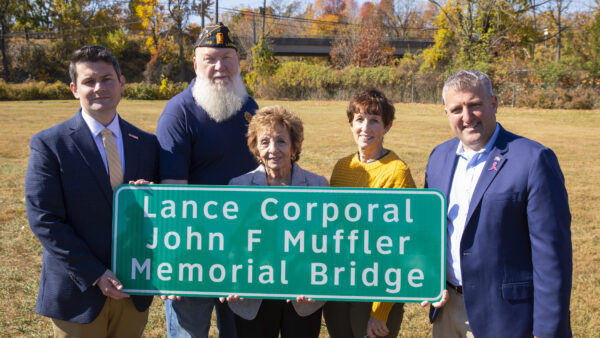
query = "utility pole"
{"x": 217, "y": 12}
{"x": 559, "y": 30}
{"x": 254, "y": 27}
{"x": 534, "y": 29}
{"x": 264, "y": 13}
{"x": 202, "y": 13}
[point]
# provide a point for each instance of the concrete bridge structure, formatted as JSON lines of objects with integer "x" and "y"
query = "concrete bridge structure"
{"x": 297, "y": 46}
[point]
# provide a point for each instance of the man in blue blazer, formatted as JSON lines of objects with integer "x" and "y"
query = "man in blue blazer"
{"x": 73, "y": 169}
{"x": 509, "y": 255}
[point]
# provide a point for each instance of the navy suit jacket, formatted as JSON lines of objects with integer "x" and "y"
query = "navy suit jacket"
{"x": 69, "y": 206}
{"x": 516, "y": 255}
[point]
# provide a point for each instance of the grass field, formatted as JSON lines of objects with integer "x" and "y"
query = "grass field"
{"x": 573, "y": 135}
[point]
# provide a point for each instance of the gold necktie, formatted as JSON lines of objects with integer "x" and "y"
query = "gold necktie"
{"x": 112, "y": 158}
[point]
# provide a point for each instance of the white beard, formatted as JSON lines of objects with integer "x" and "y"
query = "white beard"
{"x": 219, "y": 100}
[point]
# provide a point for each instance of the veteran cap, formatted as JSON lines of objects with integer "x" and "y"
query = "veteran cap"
{"x": 216, "y": 36}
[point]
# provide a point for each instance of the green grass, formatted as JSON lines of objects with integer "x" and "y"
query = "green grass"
{"x": 573, "y": 135}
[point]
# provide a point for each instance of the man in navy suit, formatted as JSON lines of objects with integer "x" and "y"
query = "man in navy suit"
{"x": 509, "y": 255}
{"x": 73, "y": 169}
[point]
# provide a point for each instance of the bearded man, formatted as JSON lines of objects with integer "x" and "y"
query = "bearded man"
{"x": 202, "y": 134}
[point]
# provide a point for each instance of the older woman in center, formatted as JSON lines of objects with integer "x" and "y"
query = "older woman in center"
{"x": 370, "y": 115}
{"x": 275, "y": 137}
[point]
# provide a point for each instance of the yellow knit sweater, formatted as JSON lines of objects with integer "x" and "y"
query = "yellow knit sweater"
{"x": 387, "y": 172}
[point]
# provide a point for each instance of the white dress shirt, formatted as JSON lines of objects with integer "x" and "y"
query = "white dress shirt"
{"x": 468, "y": 169}
{"x": 96, "y": 127}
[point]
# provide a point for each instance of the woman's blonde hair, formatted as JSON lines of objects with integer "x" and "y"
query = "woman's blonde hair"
{"x": 270, "y": 117}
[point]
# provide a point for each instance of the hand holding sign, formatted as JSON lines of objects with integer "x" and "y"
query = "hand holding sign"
{"x": 267, "y": 242}
{"x": 439, "y": 304}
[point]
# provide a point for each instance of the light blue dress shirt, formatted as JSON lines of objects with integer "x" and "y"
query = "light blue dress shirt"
{"x": 96, "y": 127}
{"x": 468, "y": 169}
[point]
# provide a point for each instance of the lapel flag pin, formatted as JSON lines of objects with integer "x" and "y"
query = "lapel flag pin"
{"x": 133, "y": 136}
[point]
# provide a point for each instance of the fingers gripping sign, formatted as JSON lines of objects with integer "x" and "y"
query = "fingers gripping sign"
{"x": 439, "y": 304}
{"x": 376, "y": 328}
{"x": 110, "y": 286}
{"x": 230, "y": 298}
{"x": 170, "y": 297}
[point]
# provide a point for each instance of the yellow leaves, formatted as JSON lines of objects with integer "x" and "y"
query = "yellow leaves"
{"x": 432, "y": 57}
{"x": 164, "y": 84}
{"x": 151, "y": 45}
{"x": 325, "y": 28}
{"x": 143, "y": 9}
{"x": 330, "y": 18}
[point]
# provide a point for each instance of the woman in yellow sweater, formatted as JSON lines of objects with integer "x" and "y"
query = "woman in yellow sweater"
{"x": 370, "y": 115}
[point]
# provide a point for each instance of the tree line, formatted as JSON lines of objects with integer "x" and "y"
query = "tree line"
{"x": 543, "y": 53}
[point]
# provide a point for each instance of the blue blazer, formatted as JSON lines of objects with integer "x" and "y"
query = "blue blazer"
{"x": 69, "y": 207}
{"x": 516, "y": 255}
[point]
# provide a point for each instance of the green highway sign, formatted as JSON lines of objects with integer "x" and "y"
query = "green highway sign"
{"x": 280, "y": 242}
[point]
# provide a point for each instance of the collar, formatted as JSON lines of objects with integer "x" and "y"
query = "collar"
{"x": 298, "y": 178}
{"x": 96, "y": 127}
{"x": 461, "y": 151}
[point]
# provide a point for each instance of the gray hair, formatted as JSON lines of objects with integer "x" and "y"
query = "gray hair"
{"x": 467, "y": 79}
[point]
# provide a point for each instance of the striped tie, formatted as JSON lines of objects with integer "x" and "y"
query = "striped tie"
{"x": 112, "y": 158}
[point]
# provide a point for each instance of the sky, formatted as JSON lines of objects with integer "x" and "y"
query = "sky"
{"x": 259, "y": 3}
{"x": 226, "y": 4}
{"x": 250, "y": 3}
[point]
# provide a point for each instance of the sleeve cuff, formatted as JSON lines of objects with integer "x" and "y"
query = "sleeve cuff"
{"x": 381, "y": 310}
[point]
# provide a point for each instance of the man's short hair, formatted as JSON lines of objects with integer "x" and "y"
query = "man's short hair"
{"x": 93, "y": 54}
{"x": 467, "y": 79}
{"x": 270, "y": 117}
{"x": 374, "y": 102}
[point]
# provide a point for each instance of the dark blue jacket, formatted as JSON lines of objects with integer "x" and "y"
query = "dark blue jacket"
{"x": 516, "y": 255}
{"x": 69, "y": 207}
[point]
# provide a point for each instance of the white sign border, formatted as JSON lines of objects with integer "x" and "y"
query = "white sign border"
{"x": 344, "y": 190}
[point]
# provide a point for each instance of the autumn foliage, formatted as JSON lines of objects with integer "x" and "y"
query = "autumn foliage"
{"x": 546, "y": 55}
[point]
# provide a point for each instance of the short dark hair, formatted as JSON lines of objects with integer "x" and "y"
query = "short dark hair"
{"x": 374, "y": 102}
{"x": 93, "y": 54}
